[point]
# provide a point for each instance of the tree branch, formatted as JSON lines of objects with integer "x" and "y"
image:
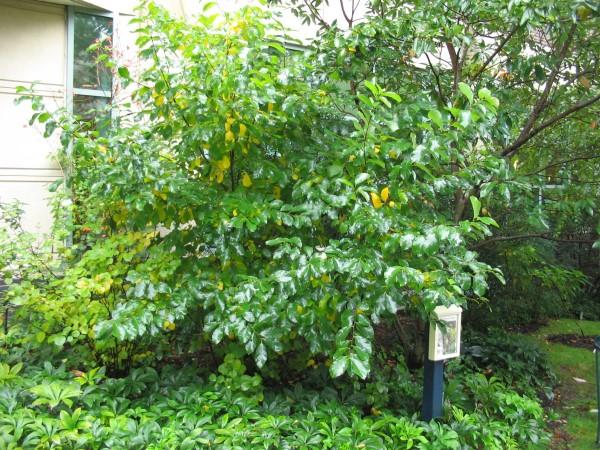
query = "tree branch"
{"x": 498, "y": 49}
{"x": 545, "y": 236}
{"x": 316, "y": 15}
{"x": 541, "y": 103}
{"x": 455, "y": 65}
{"x": 560, "y": 163}
{"x": 348, "y": 18}
{"x": 437, "y": 78}
{"x": 576, "y": 107}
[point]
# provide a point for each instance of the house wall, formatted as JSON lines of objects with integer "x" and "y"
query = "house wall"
{"x": 32, "y": 49}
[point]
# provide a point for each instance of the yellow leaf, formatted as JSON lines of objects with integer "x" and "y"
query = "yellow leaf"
{"x": 391, "y": 204}
{"x": 220, "y": 176}
{"x": 220, "y": 285}
{"x": 224, "y": 163}
{"x": 229, "y": 122}
{"x": 243, "y": 130}
{"x": 377, "y": 149}
{"x": 351, "y": 158}
{"x": 376, "y": 200}
{"x": 195, "y": 163}
{"x": 235, "y": 213}
{"x": 229, "y": 136}
{"x": 102, "y": 149}
{"x": 159, "y": 100}
{"x": 393, "y": 154}
{"x": 167, "y": 325}
{"x": 159, "y": 194}
{"x": 299, "y": 309}
{"x": 246, "y": 180}
{"x": 245, "y": 149}
{"x": 385, "y": 194}
{"x": 270, "y": 107}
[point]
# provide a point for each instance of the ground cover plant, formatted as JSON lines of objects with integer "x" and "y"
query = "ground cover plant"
{"x": 226, "y": 247}
{"x": 50, "y": 407}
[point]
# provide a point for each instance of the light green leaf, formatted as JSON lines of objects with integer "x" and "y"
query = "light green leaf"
{"x": 436, "y": 117}
{"x": 373, "y": 88}
{"x": 339, "y": 366}
{"x": 393, "y": 95}
{"x": 476, "y": 204}
{"x": 359, "y": 367}
{"x": 466, "y": 91}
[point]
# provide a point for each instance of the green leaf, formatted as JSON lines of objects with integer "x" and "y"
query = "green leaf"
{"x": 260, "y": 355}
{"x": 489, "y": 221}
{"x": 43, "y": 117}
{"x": 373, "y": 88}
{"x": 124, "y": 72}
{"x": 466, "y": 91}
{"x": 359, "y": 367}
{"x": 476, "y": 204}
{"x": 277, "y": 46}
{"x": 361, "y": 178}
{"x": 436, "y": 117}
{"x": 393, "y": 95}
{"x": 339, "y": 366}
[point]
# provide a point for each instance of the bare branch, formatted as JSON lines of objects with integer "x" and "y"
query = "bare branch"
{"x": 498, "y": 49}
{"x": 512, "y": 149}
{"x": 348, "y": 18}
{"x": 545, "y": 236}
{"x": 541, "y": 103}
{"x": 316, "y": 14}
{"x": 437, "y": 77}
{"x": 560, "y": 163}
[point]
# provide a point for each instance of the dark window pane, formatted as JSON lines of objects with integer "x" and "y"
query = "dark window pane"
{"x": 87, "y": 72}
{"x": 93, "y": 109}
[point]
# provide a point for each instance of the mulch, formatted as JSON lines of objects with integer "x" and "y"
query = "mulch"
{"x": 573, "y": 340}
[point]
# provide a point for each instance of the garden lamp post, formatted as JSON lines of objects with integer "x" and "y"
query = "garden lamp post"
{"x": 443, "y": 342}
{"x": 596, "y": 350}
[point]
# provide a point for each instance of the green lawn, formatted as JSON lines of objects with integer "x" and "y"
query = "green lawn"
{"x": 577, "y": 399}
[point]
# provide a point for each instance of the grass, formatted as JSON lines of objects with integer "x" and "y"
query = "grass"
{"x": 577, "y": 399}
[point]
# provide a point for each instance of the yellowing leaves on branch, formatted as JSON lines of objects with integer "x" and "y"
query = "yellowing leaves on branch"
{"x": 385, "y": 194}
{"x": 376, "y": 200}
{"x": 246, "y": 180}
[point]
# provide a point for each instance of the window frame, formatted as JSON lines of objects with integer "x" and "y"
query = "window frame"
{"x": 71, "y": 90}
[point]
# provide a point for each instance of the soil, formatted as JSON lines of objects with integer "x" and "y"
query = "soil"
{"x": 573, "y": 340}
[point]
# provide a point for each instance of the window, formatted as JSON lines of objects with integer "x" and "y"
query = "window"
{"x": 89, "y": 78}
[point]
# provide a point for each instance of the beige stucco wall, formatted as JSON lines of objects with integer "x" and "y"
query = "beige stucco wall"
{"x": 32, "y": 49}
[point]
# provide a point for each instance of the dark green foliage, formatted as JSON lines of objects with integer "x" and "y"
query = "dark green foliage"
{"x": 49, "y": 407}
{"x": 516, "y": 360}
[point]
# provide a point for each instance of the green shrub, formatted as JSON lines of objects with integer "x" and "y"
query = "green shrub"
{"x": 50, "y": 407}
{"x": 241, "y": 203}
{"x": 514, "y": 359}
